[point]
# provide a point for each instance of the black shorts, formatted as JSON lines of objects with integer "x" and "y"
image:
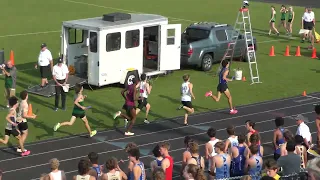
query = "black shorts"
{"x": 13, "y": 132}
{"x": 79, "y": 115}
{"x": 45, "y": 71}
{"x": 142, "y": 103}
{"x": 289, "y": 20}
{"x": 308, "y": 25}
{"x": 283, "y": 19}
{"x": 23, "y": 126}
{"x": 187, "y": 104}
{"x": 222, "y": 88}
{"x": 128, "y": 109}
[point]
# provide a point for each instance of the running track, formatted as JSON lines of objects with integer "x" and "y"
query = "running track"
{"x": 109, "y": 143}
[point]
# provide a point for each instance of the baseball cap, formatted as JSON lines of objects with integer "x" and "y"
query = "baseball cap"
{"x": 60, "y": 60}
{"x": 300, "y": 117}
{"x": 43, "y": 45}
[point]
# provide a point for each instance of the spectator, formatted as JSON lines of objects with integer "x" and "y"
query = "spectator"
{"x": 271, "y": 169}
{"x": 287, "y": 136}
{"x": 167, "y": 162}
{"x": 250, "y": 127}
{"x": 289, "y": 163}
{"x": 44, "y": 60}
{"x": 195, "y": 159}
{"x": 308, "y": 20}
{"x": 83, "y": 170}
{"x": 301, "y": 150}
{"x": 303, "y": 130}
{"x": 193, "y": 172}
{"x": 254, "y": 140}
{"x": 238, "y": 157}
{"x": 10, "y": 79}
{"x": 313, "y": 168}
{"x": 158, "y": 174}
{"x": 96, "y": 169}
{"x": 55, "y": 173}
{"x": 114, "y": 171}
{"x": 220, "y": 165}
{"x": 278, "y": 138}
{"x": 232, "y": 141}
{"x": 155, "y": 164}
{"x": 138, "y": 171}
{"x": 254, "y": 163}
{"x": 60, "y": 76}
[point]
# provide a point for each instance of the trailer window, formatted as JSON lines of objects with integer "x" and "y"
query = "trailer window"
{"x": 170, "y": 36}
{"x": 132, "y": 38}
{"x": 113, "y": 42}
{"x": 75, "y": 36}
{"x": 93, "y": 42}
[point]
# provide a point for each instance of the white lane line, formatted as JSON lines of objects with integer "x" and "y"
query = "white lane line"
{"x": 202, "y": 133}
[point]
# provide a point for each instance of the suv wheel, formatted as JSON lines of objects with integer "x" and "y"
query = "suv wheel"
{"x": 207, "y": 61}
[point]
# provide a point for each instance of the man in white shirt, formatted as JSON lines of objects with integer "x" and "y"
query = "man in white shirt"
{"x": 308, "y": 23}
{"x": 303, "y": 130}
{"x": 60, "y": 74}
{"x": 44, "y": 60}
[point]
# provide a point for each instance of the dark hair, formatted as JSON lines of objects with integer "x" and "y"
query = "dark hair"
{"x": 93, "y": 157}
{"x": 230, "y": 130}
{"x": 13, "y": 101}
{"x": 224, "y": 63}
{"x": 211, "y": 132}
{"x": 220, "y": 145}
{"x": 111, "y": 163}
{"x": 156, "y": 151}
{"x": 279, "y": 121}
{"x": 186, "y": 77}
{"x": 291, "y": 146}
{"x": 83, "y": 166}
{"x": 254, "y": 149}
{"x": 23, "y": 94}
{"x": 254, "y": 138}
{"x": 187, "y": 139}
{"x": 78, "y": 88}
{"x": 143, "y": 77}
{"x": 271, "y": 164}
{"x": 267, "y": 178}
{"x": 252, "y": 124}
{"x": 130, "y": 145}
{"x": 288, "y": 135}
{"x": 317, "y": 109}
{"x": 298, "y": 139}
{"x": 241, "y": 139}
{"x": 134, "y": 152}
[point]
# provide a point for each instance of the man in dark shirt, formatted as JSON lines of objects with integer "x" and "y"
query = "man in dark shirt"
{"x": 290, "y": 163}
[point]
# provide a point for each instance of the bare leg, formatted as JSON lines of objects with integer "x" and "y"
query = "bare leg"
{"x": 217, "y": 98}
{"x": 24, "y": 135}
{"x": 20, "y": 141}
{"x": 148, "y": 106}
{"x": 228, "y": 95}
{"x": 86, "y": 124}
{"x": 188, "y": 111}
{"x": 274, "y": 28}
{"x": 69, "y": 123}
{"x": 133, "y": 119}
{"x": 5, "y": 140}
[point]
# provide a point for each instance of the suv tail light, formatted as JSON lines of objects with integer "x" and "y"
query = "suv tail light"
{"x": 190, "y": 51}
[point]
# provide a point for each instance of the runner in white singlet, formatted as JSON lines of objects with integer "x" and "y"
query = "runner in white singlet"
{"x": 186, "y": 96}
{"x": 114, "y": 171}
{"x": 210, "y": 151}
{"x": 84, "y": 167}
{"x": 144, "y": 91}
{"x": 232, "y": 141}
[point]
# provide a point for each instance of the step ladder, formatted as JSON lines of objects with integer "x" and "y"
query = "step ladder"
{"x": 243, "y": 25}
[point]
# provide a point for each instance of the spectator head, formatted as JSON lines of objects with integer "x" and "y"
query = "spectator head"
{"x": 111, "y": 164}
{"x": 254, "y": 138}
{"x": 313, "y": 168}
{"x": 271, "y": 167}
{"x": 84, "y": 166}
{"x": 130, "y": 146}
{"x": 9, "y": 64}
{"x": 13, "y": 102}
{"x": 230, "y": 130}
{"x": 309, "y": 9}
{"x": 241, "y": 139}
{"x": 43, "y": 46}
{"x": 156, "y": 151}
{"x": 24, "y": 95}
{"x": 317, "y": 109}
{"x": 212, "y": 132}
{"x": 300, "y": 119}
{"x": 164, "y": 148}
{"x": 193, "y": 147}
{"x": 54, "y": 164}
{"x": 158, "y": 174}
{"x": 299, "y": 140}
{"x": 192, "y": 171}
{"x": 279, "y": 121}
{"x": 288, "y": 136}
{"x": 250, "y": 125}
{"x": 187, "y": 140}
{"x": 219, "y": 147}
{"x": 254, "y": 149}
{"x": 291, "y": 146}
{"x": 134, "y": 154}
{"x": 93, "y": 157}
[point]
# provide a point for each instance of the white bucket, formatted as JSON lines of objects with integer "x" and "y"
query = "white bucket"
{"x": 238, "y": 75}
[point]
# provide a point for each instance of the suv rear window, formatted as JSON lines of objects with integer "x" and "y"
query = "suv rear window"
{"x": 193, "y": 34}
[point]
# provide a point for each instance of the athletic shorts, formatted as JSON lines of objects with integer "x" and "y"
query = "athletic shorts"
{"x": 222, "y": 88}
{"x": 142, "y": 103}
{"x": 187, "y": 104}
{"x": 289, "y": 20}
{"x": 283, "y": 19}
{"x": 13, "y": 132}
{"x": 79, "y": 115}
{"x": 308, "y": 25}
{"x": 45, "y": 71}
{"x": 23, "y": 126}
{"x": 128, "y": 109}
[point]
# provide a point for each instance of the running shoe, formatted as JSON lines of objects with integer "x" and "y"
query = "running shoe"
{"x": 94, "y": 132}
{"x": 116, "y": 114}
{"x": 180, "y": 107}
{"x": 25, "y": 153}
{"x": 233, "y": 111}
{"x": 146, "y": 121}
{"x": 208, "y": 94}
{"x": 56, "y": 127}
{"x": 128, "y": 133}
{"x": 126, "y": 123}
{"x": 19, "y": 150}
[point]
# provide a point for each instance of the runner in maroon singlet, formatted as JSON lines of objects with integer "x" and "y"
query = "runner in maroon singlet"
{"x": 130, "y": 98}
{"x": 250, "y": 127}
{"x": 167, "y": 162}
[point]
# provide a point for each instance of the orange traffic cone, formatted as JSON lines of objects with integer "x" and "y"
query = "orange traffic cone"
{"x": 12, "y": 57}
{"x": 314, "y": 54}
{"x": 298, "y": 51}
{"x": 287, "y": 53}
{"x": 30, "y": 113}
{"x": 272, "y": 51}
{"x": 304, "y": 93}
{"x": 244, "y": 78}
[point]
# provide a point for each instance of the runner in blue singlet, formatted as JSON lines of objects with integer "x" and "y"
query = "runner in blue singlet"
{"x": 278, "y": 138}
{"x": 254, "y": 164}
{"x": 138, "y": 169}
{"x": 157, "y": 162}
{"x": 96, "y": 168}
{"x": 238, "y": 157}
{"x": 221, "y": 162}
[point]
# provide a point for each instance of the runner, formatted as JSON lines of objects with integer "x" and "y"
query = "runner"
{"x": 250, "y": 127}
{"x": 130, "y": 98}
{"x": 254, "y": 140}
{"x": 78, "y": 112}
{"x": 223, "y": 86}
{"x": 195, "y": 159}
{"x": 317, "y": 111}
{"x": 155, "y": 164}
{"x": 238, "y": 157}
{"x": 167, "y": 162}
{"x": 186, "y": 154}
{"x": 186, "y": 95}
{"x": 11, "y": 127}
{"x": 272, "y": 21}
{"x": 138, "y": 172}
{"x": 290, "y": 20}
{"x": 83, "y": 171}
{"x": 254, "y": 164}
{"x": 96, "y": 169}
{"x": 23, "y": 116}
{"x": 283, "y": 11}
{"x": 220, "y": 162}
{"x": 210, "y": 150}
{"x": 114, "y": 171}
{"x": 145, "y": 90}
{"x": 232, "y": 141}
{"x": 278, "y": 138}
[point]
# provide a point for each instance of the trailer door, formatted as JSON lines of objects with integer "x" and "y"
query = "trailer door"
{"x": 93, "y": 59}
{"x": 170, "y": 45}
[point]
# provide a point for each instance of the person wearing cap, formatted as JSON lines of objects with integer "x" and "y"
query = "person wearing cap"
{"x": 303, "y": 130}
{"x": 60, "y": 76}
{"x": 308, "y": 23}
{"x": 10, "y": 72}
{"x": 44, "y": 60}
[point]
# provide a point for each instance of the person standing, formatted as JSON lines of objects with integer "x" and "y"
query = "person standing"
{"x": 303, "y": 130}
{"x": 44, "y": 60}
{"x": 10, "y": 72}
{"x": 308, "y": 24}
{"x": 167, "y": 162}
{"x": 60, "y": 76}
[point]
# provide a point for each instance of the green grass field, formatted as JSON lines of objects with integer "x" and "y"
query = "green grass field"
{"x": 29, "y": 23}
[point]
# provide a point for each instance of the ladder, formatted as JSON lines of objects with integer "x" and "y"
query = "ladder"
{"x": 243, "y": 24}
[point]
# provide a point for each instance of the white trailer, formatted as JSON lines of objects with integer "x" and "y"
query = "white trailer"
{"x": 106, "y": 49}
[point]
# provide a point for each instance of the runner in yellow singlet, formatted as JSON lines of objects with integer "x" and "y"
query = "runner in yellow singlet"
{"x": 272, "y": 21}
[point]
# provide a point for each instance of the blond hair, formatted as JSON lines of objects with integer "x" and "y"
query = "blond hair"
{"x": 54, "y": 163}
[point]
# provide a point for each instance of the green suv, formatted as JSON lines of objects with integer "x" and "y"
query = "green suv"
{"x": 205, "y": 43}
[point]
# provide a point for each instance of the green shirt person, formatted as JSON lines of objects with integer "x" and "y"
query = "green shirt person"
{"x": 10, "y": 73}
